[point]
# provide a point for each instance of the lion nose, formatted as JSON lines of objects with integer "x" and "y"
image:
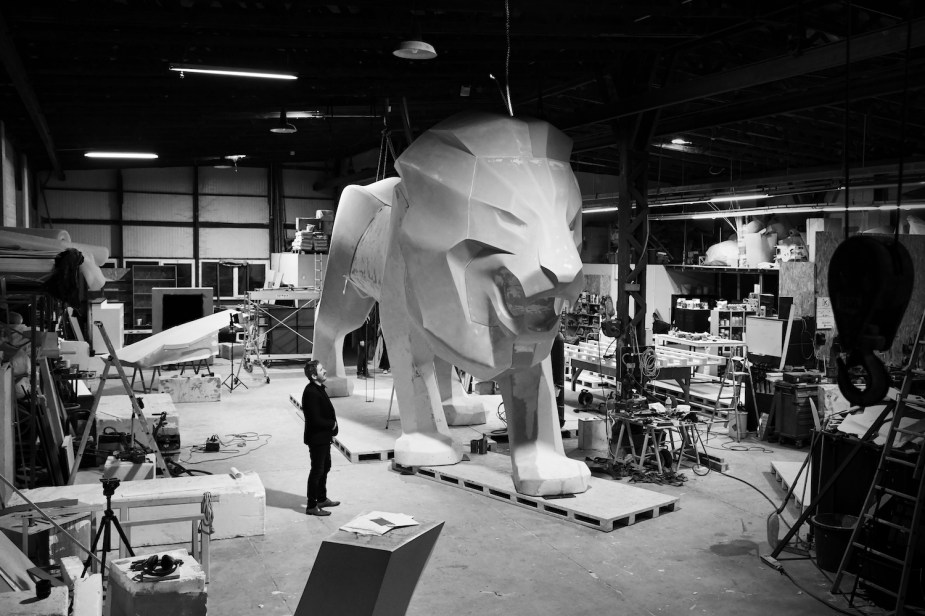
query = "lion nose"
{"x": 561, "y": 266}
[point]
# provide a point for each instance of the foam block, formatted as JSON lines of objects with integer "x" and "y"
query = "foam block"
{"x": 23, "y": 603}
{"x": 368, "y": 574}
{"x": 191, "y": 388}
{"x": 127, "y": 470}
{"x": 239, "y": 512}
{"x": 133, "y": 595}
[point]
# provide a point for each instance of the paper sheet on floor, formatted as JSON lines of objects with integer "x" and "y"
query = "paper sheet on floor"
{"x": 378, "y": 523}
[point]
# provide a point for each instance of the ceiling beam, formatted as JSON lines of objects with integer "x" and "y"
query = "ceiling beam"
{"x": 863, "y": 47}
{"x": 18, "y": 76}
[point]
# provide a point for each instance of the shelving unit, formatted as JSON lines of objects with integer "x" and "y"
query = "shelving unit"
{"x": 118, "y": 288}
{"x": 145, "y": 278}
{"x": 728, "y": 324}
{"x": 582, "y": 323}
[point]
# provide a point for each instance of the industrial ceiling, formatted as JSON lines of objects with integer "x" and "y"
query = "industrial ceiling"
{"x": 765, "y": 94}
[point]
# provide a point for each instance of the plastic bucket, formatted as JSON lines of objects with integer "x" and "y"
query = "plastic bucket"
{"x": 833, "y": 532}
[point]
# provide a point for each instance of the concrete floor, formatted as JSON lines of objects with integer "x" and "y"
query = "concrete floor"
{"x": 493, "y": 557}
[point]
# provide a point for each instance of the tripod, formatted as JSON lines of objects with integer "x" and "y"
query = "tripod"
{"x": 109, "y": 519}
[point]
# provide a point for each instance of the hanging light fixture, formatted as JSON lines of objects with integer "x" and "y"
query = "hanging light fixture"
{"x": 415, "y": 50}
{"x": 283, "y": 127}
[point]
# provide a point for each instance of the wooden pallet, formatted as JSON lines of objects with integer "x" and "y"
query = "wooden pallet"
{"x": 786, "y": 474}
{"x": 357, "y": 441}
{"x": 606, "y": 506}
{"x": 363, "y": 456}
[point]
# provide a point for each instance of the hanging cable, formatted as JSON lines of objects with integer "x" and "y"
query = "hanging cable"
{"x": 902, "y": 125}
{"x": 507, "y": 57}
{"x": 846, "y": 132}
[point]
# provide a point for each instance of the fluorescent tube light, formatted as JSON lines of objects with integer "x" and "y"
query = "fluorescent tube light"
{"x": 727, "y": 198}
{"x": 120, "y": 155}
{"x": 595, "y": 210}
{"x": 231, "y": 72}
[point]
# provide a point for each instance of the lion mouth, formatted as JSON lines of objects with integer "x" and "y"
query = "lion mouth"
{"x": 537, "y": 313}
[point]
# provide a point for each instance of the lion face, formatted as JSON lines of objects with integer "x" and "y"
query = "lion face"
{"x": 489, "y": 228}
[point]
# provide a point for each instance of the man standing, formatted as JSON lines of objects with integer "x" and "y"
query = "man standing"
{"x": 320, "y": 429}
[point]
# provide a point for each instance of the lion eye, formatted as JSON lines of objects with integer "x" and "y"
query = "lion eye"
{"x": 510, "y": 221}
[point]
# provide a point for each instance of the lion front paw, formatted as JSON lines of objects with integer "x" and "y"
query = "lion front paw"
{"x": 419, "y": 449}
{"x": 464, "y": 413}
{"x": 538, "y": 471}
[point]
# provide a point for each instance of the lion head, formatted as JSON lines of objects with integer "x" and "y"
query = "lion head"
{"x": 488, "y": 222}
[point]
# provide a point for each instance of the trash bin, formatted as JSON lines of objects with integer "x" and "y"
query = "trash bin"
{"x": 833, "y": 532}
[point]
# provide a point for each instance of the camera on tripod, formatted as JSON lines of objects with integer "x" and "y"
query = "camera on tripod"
{"x": 109, "y": 485}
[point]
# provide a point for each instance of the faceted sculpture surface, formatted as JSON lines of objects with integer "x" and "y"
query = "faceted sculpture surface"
{"x": 471, "y": 254}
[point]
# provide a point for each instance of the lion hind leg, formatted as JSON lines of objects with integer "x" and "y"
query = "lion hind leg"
{"x": 539, "y": 464}
{"x": 343, "y": 307}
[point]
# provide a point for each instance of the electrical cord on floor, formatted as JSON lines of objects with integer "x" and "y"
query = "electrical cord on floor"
{"x": 241, "y": 439}
{"x": 855, "y": 612}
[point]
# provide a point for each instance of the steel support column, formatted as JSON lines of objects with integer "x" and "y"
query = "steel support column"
{"x": 633, "y": 232}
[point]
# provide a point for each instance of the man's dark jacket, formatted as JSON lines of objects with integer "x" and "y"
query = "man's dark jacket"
{"x": 320, "y": 420}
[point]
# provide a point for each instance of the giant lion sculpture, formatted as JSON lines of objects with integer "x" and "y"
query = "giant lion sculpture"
{"x": 471, "y": 254}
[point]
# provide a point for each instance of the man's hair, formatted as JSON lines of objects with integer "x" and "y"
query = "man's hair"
{"x": 311, "y": 368}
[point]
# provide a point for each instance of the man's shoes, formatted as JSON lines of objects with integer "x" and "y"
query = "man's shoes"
{"x": 316, "y": 510}
{"x": 328, "y": 503}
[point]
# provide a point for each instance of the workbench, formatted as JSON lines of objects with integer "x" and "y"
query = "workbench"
{"x": 676, "y": 364}
{"x": 655, "y": 431}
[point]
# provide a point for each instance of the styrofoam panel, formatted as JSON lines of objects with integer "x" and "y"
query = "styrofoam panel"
{"x": 160, "y": 242}
{"x": 96, "y": 235}
{"x": 146, "y": 206}
{"x": 301, "y": 183}
{"x": 234, "y": 209}
{"x": 92, "y": 205}
{"x": 242, "y": 181}
{"x": 170, "y": 179}
{"x": 234, "y": 243}
{"x": 239, "y": 512}
{"x": 101, "y": 179}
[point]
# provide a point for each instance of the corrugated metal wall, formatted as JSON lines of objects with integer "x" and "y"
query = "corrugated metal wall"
{"x": 242, "y": 181}
{"x": 300, "y": 199}
{"x": 155, "y": 216}
{"x": 142, "y": 206}
{"x": 234, "y": 243}
{"x": 158, "y": 242}
{"x": 253, "y": 210}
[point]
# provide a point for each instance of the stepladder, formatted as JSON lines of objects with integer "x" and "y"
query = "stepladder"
{"x": 883, "y": 551}
{"x": 112, "y": 362}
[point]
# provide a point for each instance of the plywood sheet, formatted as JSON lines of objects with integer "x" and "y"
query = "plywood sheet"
{"x": 798, "y": 280}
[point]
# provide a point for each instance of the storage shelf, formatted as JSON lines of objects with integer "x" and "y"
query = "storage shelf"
{"x": 720, "y": 269}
